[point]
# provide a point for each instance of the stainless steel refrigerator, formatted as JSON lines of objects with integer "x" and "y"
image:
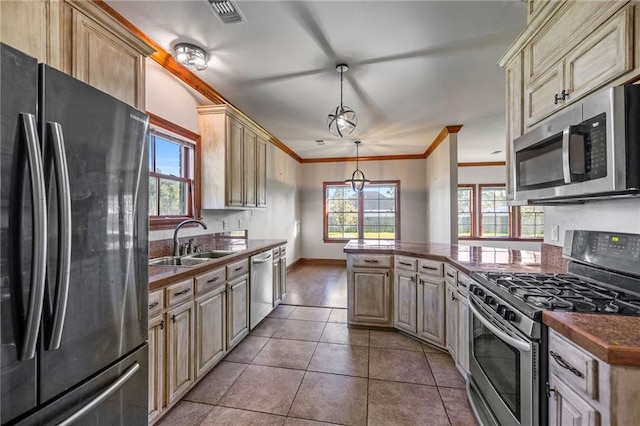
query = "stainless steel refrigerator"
{"x": 73, "y": 250}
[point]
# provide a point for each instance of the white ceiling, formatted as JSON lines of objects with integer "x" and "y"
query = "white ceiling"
{"x": 415, "y": 67}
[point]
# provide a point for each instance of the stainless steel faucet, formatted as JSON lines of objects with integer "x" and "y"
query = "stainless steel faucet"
{"x": 176, "y": 247}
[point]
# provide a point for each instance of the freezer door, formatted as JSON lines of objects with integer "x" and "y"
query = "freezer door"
{"x": 104, "y": 315}
{"x": 117, "y": 396}
{"x": 18, "y": 86}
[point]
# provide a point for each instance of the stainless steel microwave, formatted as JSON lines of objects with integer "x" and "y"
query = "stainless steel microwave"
{"x": 592, "y": 149}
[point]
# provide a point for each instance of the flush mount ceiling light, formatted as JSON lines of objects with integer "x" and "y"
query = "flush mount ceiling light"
{"x": 191, "y": 56}
{"x": 358, "y": 179}
{"x": 342, "y": 120}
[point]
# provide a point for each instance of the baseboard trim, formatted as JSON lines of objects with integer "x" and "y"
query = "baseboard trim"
{"x": 321, "y": 262}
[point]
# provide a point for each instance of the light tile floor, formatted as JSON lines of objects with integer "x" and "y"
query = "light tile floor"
{"x": 303, "y": 366}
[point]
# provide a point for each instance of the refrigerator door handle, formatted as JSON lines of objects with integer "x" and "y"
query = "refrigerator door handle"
{"x": 39, "y": 246}
{"x": 64, "y": 234}
{"x": 106, "y": 393}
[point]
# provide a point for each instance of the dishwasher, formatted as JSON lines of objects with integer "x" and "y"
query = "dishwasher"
{"x": 261, "y": 288}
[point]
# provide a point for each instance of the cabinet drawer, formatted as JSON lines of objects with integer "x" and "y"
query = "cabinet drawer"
{"x": 283, "y": 251}
{"x": 451, "y": 275}
{"x": 464, "y": 282}
{"x": 430, "y": 267}
{"x": 209, "y": 280}
{"x": 573, "y": 366}
{"x": 373, "y": 261}
{"x": 276, "y": 253}
{"x": 156, "y": 303}
{"x": 238, "y": 268}
{"x": 179, "y": 292}
{"x": 406, "y": 263}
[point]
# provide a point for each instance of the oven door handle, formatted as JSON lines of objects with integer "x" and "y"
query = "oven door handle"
{"x": 573, "y": 145}
{"x": 517, "y": 343}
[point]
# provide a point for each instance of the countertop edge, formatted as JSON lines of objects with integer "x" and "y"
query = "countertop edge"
{"x": 161, "y": 276}
{"x": 572, "y": 326}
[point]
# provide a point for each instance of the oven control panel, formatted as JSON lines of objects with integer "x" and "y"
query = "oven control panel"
{"x": 610, "y": 250}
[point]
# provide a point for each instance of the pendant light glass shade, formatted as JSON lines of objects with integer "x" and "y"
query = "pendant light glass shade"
{"x": 191, "y": 56}
{"x": 342, "y": 120}
{"x": 358, "y": 178}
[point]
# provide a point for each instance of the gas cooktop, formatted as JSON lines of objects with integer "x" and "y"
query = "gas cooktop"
{"x": 564, "y": 293}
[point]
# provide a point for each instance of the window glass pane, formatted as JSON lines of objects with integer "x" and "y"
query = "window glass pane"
{"x": 464, "y": 211}
{"x": 173, "y": 198}
{"x": 494, "y": 212}
{"x": 379, "y": 222}
{"x": 531, "y": 222}
{"x": 153, "y": 197}
{"x": 168, "y": 157}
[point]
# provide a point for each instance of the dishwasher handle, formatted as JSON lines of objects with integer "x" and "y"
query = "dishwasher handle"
{"x": 263, "y": 260}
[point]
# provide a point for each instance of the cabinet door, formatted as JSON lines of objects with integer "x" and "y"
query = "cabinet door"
{"x": 283, "y": 276}
{"x": 156, "y": 367}
{"x": 405, "y": 301}
{"x": 261, "y": 173}
{"x": 431, "y": 310}
{"x": 180, "y": 351}
{"x": 463, "y": 336}
{"x": 540, "y": 94}
{"x": 33, "y": 27}
{"x": 103, "y": 60}
{"x": 211, "y": 332}
{"x": 277, "y": 294}
{"x": 451, "y": 308}
{"x": 250, "y": 140}
{"x": 234, "y": 169}
{"x": 603, "y": 56}
{"x": 369, "y": 299}
{"x": 238, "y": 310}
{"x": 566, "y": 408}
{"x": 515, "y": 117}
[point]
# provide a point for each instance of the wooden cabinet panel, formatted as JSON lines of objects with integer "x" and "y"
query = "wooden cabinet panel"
{"x": 451, "y": 309}
{"x": 540, "y": 94}
{"x": 515, "y": 115}
{"x": 431, "y": 310}
{"x": 369, "y": 296}
{"x": 603, "y": 56}
{"x": 463, "y": 336}
{"x": 180, "y": 351}
{"x": 156, "y": 367}
{"x": 566, "y": 408}
{"x": 238, "y": 310}
{"x": 277, "y": 295}
{"x": 210, "y": 330}
{"x": 405, "y": 301}
{"x": 235, "y": 160}
{"x": 261, "y": 173}
{"x": 250, "y": 140}
{"x": 283, "y": 276}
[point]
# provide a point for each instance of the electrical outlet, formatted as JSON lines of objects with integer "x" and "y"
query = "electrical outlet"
{"x": 555, "y": 230}
{"x": 225, "y": 224}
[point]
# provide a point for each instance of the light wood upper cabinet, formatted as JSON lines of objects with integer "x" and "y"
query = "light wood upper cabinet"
{"x": 180, "y": 351}
{"x": 211, "y": 330}
{"x": 515, "y": 116}
{"x": 156, "y": 367}
{"x": 431, "y": 309}
{"x": 238, "y": 310}
{"x": 233, "y": 156}
{"x": 81, "y": 39}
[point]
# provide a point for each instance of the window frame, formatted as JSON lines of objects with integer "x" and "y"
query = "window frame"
{"x": 515, "y": 230}
{"x": 325, "y": 220}
{"x": 194, "y": 207}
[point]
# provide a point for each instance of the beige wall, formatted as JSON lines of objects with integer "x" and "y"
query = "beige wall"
{"x": 171, "y": 99}
{"x": 442, "y": 189}
{"x": 411, "y": 174}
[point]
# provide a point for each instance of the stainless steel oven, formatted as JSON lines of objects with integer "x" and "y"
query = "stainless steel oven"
{"x": 592, "y": 149}
{"x": 503, "y": 365}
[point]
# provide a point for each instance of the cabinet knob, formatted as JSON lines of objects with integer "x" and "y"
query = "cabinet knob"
{"x": 173, "y": 319}
{"x": 161, "y": 325}
{"x": 563, "y": 95}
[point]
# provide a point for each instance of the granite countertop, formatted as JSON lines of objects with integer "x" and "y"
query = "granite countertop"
{"x": 466, "y": 258}
{"x": 160, "y": 276}
{"x": 615, "y": 339}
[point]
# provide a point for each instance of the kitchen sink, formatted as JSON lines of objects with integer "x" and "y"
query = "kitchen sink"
{"x": 176, "y": 261}
{"x": 213, "y": 254}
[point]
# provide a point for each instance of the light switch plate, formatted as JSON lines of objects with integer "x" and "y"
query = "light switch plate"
{"x": 225, "y": 224}
{"x": 555, "y": 230}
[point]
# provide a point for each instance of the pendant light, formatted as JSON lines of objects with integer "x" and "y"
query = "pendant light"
{"x": 342, "y": 120}
{"x": 358, "y": 179}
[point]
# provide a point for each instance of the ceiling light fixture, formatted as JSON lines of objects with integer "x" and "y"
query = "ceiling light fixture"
{"x": 342, "y": 120}
{"x": 358, "y": 179}
{"x": 191, "y": 56}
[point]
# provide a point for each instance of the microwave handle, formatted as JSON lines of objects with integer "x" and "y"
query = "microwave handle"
{"x": 570, "y": 151}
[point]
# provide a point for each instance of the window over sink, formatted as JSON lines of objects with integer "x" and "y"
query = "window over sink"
{"x": 173, "y": 159}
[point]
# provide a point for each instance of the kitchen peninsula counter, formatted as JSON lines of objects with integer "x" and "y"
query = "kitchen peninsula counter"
{"x": 160, "y": 276}
{"x": 466, "y": 258}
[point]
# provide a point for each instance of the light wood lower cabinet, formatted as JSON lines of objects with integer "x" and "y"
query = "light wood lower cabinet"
{"x": 180, "y": 351}
{"x": 369, "y": 296}
{"x": 211, "y": 324}
{"x": 463, "y": 335}
{"x": 431, "y": 309}
{"x": 156, "y": 367}
{"x": 567, "y": 408}
{"x": 405, "y": 294}
{"x": 451, "y": 309}
{"x": 238, "y": 310}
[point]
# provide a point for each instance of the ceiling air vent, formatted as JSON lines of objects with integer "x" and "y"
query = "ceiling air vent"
{"x": 227, "y": 12}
